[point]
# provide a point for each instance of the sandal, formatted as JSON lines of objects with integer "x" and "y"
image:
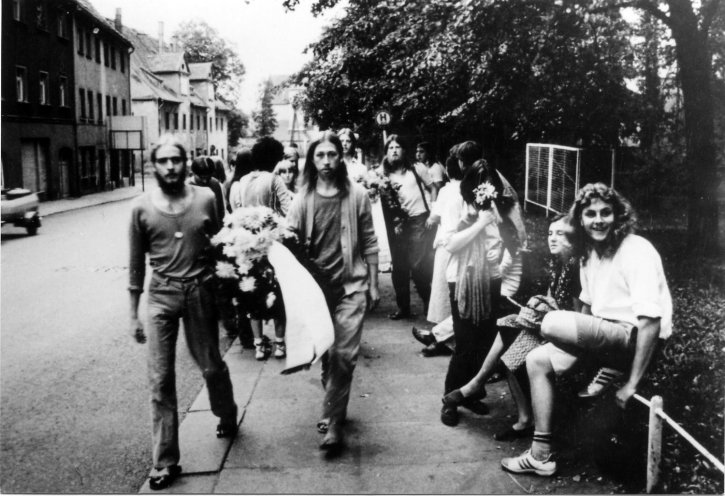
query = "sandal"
{"x": 323, "y": 425}
{"x": 164, "y": 477}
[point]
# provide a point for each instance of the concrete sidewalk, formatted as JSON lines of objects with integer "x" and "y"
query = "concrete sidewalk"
{"x": 395, "y": 442}
{"x": 59, "y": 206}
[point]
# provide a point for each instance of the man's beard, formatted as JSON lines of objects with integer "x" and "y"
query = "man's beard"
{"x": 173, "y": 188}
{"x": 396, "y": 162}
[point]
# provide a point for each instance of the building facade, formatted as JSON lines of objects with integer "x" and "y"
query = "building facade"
{"x": 64, "y": 70}
{"x": 176, "y": 97}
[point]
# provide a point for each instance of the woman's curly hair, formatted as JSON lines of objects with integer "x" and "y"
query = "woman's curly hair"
{"x": 625, "y": 218}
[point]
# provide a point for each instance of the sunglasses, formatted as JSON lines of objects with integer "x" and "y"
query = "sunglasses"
{"x": 173, "y": 160}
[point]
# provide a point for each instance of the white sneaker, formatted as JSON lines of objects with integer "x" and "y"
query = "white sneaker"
{"x": 260, "y": 351}
{"x": 280, "y": 349}
{"x": 604, "y": 378}
{"x": 527, "y": 464}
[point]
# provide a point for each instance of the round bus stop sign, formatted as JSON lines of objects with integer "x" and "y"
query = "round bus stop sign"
{"x": 382, "y": 118}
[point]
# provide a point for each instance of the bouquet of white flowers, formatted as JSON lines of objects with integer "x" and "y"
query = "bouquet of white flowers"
{"x": 243, "y": 271}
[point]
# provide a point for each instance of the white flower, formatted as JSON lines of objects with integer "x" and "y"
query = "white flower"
{"x": 484, "y": 192}
{"x": 225, "y": 270}
{"x": 270, "y": 299}
{"x": 247, "y": 284}
{"x": 243, "y": 266}
{"x": 235, "y": 302}
{"x": 230, "y": 251}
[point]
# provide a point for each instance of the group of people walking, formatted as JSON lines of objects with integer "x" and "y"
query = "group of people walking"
{"x": 457, "y": 232}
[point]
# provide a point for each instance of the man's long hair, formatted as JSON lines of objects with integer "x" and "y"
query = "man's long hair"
{"x": 387, "y": 166}
{"x": 625, "y": 219}
{"x": 310, "y": 172}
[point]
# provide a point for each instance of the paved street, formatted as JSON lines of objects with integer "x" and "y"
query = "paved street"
{"x": 74, "y": 402}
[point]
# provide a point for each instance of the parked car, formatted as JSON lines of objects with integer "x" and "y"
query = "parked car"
{"x": 20, "y": 207}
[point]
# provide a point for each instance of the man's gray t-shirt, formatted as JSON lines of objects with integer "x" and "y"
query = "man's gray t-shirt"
{"x": 326, "y": 250}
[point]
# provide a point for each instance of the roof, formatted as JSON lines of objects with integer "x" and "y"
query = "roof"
{"x": 146, "y": 86}
{"x": 108, "y": 26}
{"x": 168, "y": 62}
{"x": 199, "y": 71}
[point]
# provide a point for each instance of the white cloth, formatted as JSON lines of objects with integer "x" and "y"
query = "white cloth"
{"x": 628, "y": 285}
{"x": 439, "y": 305}
{"x": 309, "y": 331}
{"x": 384, "y": 257}
{"x": 443, "y": 331}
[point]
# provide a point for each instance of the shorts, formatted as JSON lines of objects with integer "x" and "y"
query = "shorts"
{"x": 609, "y": 342}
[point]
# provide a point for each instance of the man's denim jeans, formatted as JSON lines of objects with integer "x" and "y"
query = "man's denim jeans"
{"x": 193, "y": 302}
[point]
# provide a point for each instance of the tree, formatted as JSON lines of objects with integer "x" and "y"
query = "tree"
{"x": 555, "y": 68}
{"x": 690, "y": 29}
{"x": 202, "y": 43}
{"x": 264, "y": 119}
{"x": 237, "y": 127}
{"x": 492, "y": 72}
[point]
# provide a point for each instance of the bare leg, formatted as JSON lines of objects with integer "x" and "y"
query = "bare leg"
{"x": 256, "y": 325}
{"x": 541, "y": 375}
{"x": 489, "y": 363}
{"x": 522, "y": 401}
{"x": 279, "y": 328}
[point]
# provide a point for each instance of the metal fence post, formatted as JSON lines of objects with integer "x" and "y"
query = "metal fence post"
{"x": 654, "y": 445}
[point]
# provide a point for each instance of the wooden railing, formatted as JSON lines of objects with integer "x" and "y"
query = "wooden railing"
{"x": 654, "y": 446}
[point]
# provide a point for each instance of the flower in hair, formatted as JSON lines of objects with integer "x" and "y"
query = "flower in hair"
{"x": 484, "y": 193}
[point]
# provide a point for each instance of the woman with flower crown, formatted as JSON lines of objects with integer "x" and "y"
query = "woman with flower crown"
{"x": 474, "y": 281}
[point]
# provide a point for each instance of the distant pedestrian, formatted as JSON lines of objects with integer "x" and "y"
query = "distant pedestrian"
{"x": 437, "y": 173}
{"x": 202, "y": 174}
{"x": 355, "y": 168}
{"x": 412, "y": 244}
{"x": 333, "y": 215}
{"x": 242, "y": 167}
{"x": 173, "y": 224}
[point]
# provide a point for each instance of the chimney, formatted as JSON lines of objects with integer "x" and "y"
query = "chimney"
{"x": 117, "y": 21}
{"x": 161, "y": 37}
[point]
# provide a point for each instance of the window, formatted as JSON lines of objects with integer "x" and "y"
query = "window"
{"x": 41, "y": 16}
{"x": 113, "y": 57}
{"x": 62, "y": 25}
{"x": 21, "y": 83}
{"x": 89, "y": 49}
{"x": 99, "y": 99}
{"x": 98, "y": 49}
{"x": 82, "y": 99}
{"x": 198, "y": 122}
{"x": 16, "y": 10}
{"x": 108, "y": 105}
{"x": 91, "y": 113}
{"x": 123, "y": 106}
{"x": 115, "y": 106}
{"x": 176, "y": 120}
{"x": 81, "y": 39}
{"x": 166, "y": 120}
{"x": 63, "y": 91}
{"x": 211, "y": 125}
{"x": 221, "y": 122}
{"x": 43, "y": 89}
{"x": 183, "y": 122}
{"x": 191, "y": 122}
{"x": 122, "y": 60}
{"x": 105, "y": 54}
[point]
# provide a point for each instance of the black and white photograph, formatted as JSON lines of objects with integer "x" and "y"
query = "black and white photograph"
{"x": 362, "y": 247}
